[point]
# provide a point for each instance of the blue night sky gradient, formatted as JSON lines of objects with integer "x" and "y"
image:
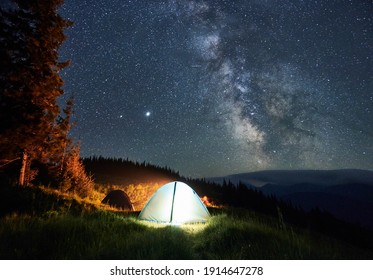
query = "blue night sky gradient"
{"x": 219, "y": 87}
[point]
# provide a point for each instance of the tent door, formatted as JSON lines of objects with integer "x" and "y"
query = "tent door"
{"x": 172, "y": 205}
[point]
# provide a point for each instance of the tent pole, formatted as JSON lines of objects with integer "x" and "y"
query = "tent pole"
{"x": 172, "y": 205}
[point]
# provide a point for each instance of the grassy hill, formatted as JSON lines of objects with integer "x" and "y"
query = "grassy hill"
{"x": 39, "y": 223}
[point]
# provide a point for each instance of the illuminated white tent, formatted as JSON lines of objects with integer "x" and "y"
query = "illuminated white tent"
{"x": 175, "y": 203}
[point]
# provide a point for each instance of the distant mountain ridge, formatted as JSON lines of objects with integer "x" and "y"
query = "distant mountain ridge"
{"x": 345, "y": 193}
{"x": 292, "y": 177}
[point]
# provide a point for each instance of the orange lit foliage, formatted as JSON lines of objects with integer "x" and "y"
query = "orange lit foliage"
{"x": 206, "y": 201}
{"x": 31, "y": 84}
{"x": 73, "y": 177}
{"x": 139, "y": 194}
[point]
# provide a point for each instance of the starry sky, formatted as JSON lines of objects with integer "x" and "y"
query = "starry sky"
{"x": 212, "y": 88}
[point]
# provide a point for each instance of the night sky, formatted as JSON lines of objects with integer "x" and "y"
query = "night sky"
{"x": 219, "y": 87}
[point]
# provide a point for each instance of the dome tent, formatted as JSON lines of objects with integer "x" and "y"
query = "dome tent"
{"x": 118, "y": 199}
{"x": 175, "y": 203}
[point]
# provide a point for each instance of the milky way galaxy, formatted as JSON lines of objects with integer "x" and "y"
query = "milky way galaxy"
{"x": 219, "y": 87}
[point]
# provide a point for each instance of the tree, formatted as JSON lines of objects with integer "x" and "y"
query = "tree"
{"x": 30, "y": 84}
{"x": 73, "y": 177}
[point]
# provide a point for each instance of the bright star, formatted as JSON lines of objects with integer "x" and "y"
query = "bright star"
{"x": 147, "y": 114}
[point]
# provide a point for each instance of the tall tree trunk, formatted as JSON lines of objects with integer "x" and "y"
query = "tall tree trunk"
{"x": 22, "y": 172}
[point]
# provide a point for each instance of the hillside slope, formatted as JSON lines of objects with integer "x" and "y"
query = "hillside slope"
{"x": 53, "y": 226}
{"x": 347, "y": 194}
{"x": 125, "y": 172}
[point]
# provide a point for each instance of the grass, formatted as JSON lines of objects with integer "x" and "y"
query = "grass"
{"x": 105, "y": 235}
{"x": 51, "y": 226}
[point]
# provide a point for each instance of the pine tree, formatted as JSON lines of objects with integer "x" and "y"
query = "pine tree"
{"x": 30, "y": 123}
{"x": 73, "y": 177}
